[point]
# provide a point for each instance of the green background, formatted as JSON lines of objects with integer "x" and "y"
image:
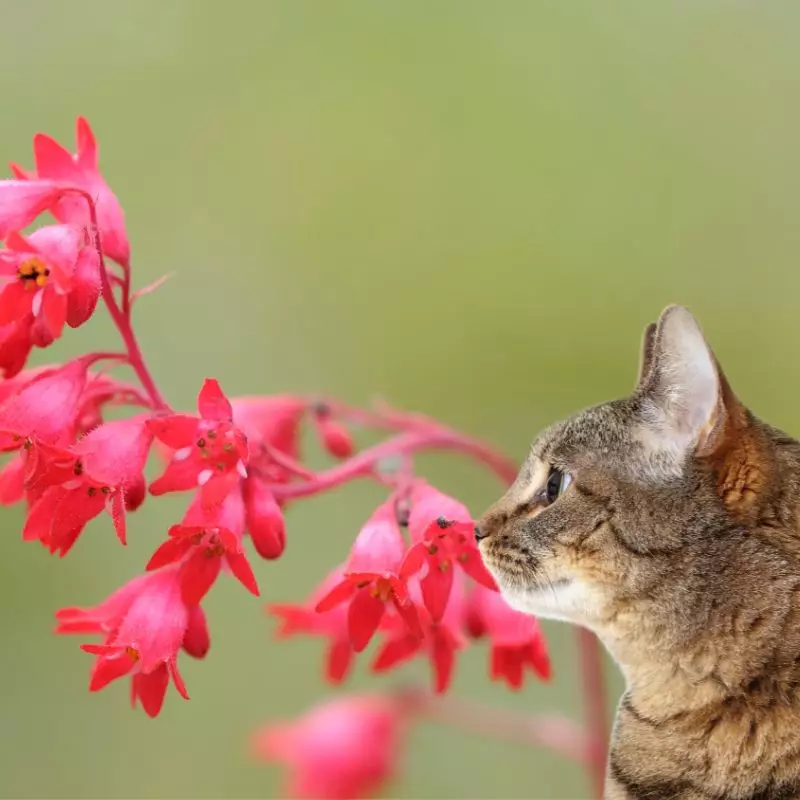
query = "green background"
{"x": 469, "y": 208}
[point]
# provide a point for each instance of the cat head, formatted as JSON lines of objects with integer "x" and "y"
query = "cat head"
{"x": 629, "y": 505}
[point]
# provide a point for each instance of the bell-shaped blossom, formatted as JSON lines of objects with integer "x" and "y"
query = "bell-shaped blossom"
{"x": 304, "y": 619}
{"x": 45, "y": 407}
{"x": 346, "y": 748}
{"x": 209, "y": 450}
{"x": 264, "y": 519}
{"x": 516, "y": 639}
{"x": 76, "y": 485}
{"x": 205, "y": 540}
{"x": 333, "y": 435}
{"x": 371, "y": 578}
{"x": 56, "y": 166}
{"x": 442, "y": 531}
{"x": 145, "y": 624}
{"x": 49, "y": 278}
{"x": 440, "y": 642}
{"x": 21, "y": 201}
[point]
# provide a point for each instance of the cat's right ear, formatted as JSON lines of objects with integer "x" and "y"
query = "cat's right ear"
{"x": 681, "y": 385}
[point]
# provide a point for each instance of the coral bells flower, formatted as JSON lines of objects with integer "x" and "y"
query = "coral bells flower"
{"x": 44, "y": 408}
{"x": 304, "y": 619}
{"x": 95, "y": 474}
{"x": 264, "y": 519}
{"x": 442, "y": 531}
{"x": 516, "y": 640}
{"x": 50, "y": 279}
{"x": 346, "y": 748}
{"x": 210, "y": 451}
{"x": 206, "y": 539}
{"x": 23, "y": 200}
{"x": 145, "y": 624}
{"x": 440, "y": 641}
{"x": 57, "y": 166}
{"x": 334, "y": 436}
{"x": 370, "y": 579}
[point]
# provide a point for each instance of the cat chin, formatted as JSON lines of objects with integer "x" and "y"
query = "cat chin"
{"x": 566, "y": 601}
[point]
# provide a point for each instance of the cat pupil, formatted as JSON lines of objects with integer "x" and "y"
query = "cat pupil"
{"x": 554, "y": 482}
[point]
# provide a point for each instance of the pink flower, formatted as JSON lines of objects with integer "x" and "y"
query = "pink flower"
{"x": 346, "y": 748}
{"x": 49, "y": 278}
{"x": 371, "y": 579}
{"x": 212, "y": 536}
{"x": 45, "y": 407}
{"x": 442, "y": 530}
{"x": 145, "y": 624}
{"x": 304, "y": 619}
{"x": 210, "y": 451}
{"x": 334, "y": 436}
{"x": 61, "y": 168}
{"x": 516, "y": 639}
{"x": 440, "y": 641}
{"x": 23, "y": 200}
{"x": 77, "y": 484}
{"x": 264, "y": 519}
{"x": 16, "y": 343}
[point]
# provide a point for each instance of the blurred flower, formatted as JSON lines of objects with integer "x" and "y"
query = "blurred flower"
{"x": 345, "y": 748}
{"x": 335, "y": 437}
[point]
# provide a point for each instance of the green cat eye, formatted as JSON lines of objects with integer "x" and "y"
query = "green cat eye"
{"x": 557, "y": 483}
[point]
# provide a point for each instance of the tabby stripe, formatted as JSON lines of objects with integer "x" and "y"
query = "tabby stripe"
{"x": 648, "y": 552}
{"x": 653, "y": 790}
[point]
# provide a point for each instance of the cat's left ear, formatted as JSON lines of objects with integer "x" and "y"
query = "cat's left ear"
{"x": 684, "y": 394}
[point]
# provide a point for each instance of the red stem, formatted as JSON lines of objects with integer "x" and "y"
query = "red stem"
{"x": 556, "y": 733}
{"x": 121, "y": 317}
{"x": 364, "y": 462}
{"x": 590, "y": 657}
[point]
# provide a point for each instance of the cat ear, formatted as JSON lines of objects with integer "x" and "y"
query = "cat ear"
{"x": 646, "y": 357}
{"x": 682, "y": 391}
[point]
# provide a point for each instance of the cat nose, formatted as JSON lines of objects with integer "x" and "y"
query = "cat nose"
{"x": 480, "y": 533}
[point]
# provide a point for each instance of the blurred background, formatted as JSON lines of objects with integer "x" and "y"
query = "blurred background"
{"x": 469, "y": 208}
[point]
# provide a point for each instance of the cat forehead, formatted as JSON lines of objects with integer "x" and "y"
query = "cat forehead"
{"x": 595, "y": 433}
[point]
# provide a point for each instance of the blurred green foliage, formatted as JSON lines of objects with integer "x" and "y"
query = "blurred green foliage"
{"x": 470, "y": 208}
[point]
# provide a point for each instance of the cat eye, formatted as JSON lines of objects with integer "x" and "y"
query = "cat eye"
{"x": 557, "y": 483}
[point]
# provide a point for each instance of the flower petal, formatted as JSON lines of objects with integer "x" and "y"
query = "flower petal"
{"x": 198, "y": 575}
{"x": 242, "y": 571}
{"x": 363, "y": 618}
{"x": 338, "y": 661}
{"x": 436, "y": 587}
{"x": 212, "y": 403}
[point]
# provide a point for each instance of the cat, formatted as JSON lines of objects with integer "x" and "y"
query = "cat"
{"x": 668, "y": 523}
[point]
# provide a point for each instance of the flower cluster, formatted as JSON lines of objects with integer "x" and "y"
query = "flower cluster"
{"x": 413, "y": 579}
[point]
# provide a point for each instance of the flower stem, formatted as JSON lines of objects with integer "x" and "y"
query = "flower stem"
{"x": 590, "y": 657}
{"x": 121, "y": 317}
{"x": 556, "y": 733}
{"x": 364, "y": 462}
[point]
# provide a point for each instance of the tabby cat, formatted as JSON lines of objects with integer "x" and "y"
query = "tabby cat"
{"x": 669, "y": 524}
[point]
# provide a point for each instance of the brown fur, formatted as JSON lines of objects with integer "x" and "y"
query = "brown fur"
{"x": 677, "y": 542}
